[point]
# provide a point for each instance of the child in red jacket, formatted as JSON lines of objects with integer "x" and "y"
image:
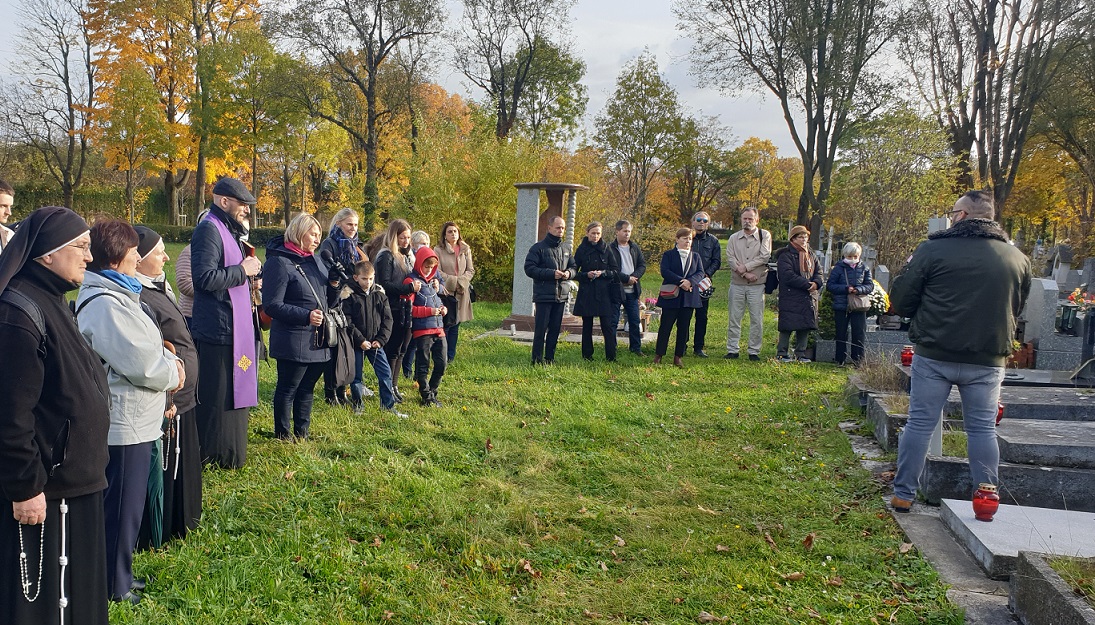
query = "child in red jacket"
{"x": 427, "y": 329}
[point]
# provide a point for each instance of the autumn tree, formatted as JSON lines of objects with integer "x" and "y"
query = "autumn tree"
{"x": 506, "y": 46}
{"x": 813, "y": 56}
{"x": 641, "y": 129}
{"x": 707, "y": 174}
{"x": 57, "y": 89}
{"x": 154, "y": 36}
{"x": 895, "y": 172}
{"x": 554, "y": 99}
{"x": 982, "y": 66}
{"x": 354, "y": 38}
{"x": 134, "y": 131}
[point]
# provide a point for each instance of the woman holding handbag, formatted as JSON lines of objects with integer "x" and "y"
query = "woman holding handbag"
{"x": 679, "y": 295}
{"x": 799, "y": 286}
{"x": 851, "y": 285}
{"x": 294, "y": 283}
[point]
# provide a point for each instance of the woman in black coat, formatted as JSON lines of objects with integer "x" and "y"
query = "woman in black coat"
{"x": 799, "y": 286}
{"x": 599, "y": 293}
{"x": 182, "y": 471}
{"x": 293, "y": 282}
{"x": 393, "y": 262}
{"x": 682, "y": 267}
{"x": 847, "y": 277}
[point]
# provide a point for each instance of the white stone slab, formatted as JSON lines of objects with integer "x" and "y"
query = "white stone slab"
{"x": 997, "y": 544}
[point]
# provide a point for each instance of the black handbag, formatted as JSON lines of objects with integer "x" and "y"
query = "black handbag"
{"x": 472, "y": 295}
{"x": 451, "y": 317}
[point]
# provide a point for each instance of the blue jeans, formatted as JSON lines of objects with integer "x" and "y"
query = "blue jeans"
{"x": 383, "y": 372}
{"x": 293, "y": 395}
{"x": 931, "y": 384}
{"x": 452, "y": 334}
{"x": 634, "y": 333}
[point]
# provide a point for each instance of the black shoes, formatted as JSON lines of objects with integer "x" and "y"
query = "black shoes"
{"x": 700, "y": 353}
{"x": 731, "y": 355}
{"x": 139, "y": 583}
{"x": 754, "y": 357}
{"x": 130, "y": 597}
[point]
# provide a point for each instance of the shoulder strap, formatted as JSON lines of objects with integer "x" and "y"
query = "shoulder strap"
{"x": 322, "y": 302}
{"x": 31, "y": 309}
{"x": 76, "y": 309}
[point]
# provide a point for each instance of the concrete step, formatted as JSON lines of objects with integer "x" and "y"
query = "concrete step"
{"x": 1048, "y": 443}
{"x": 1026, "y": 485}
{"x": 996, "y": 544}
{"x": 1024, "y": 402}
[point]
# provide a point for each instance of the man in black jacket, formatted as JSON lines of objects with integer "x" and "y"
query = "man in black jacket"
{"x": 706, "y": 245}
{"x": 223, "y": 325}
{"x": 629, "y": 257}
{"x": 550, "y": 265}
{"x": 963, "y": 288}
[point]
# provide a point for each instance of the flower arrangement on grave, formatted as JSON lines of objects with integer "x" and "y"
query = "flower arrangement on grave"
{"x": 880, "y": 301}
{"x": 1083, "y": 301}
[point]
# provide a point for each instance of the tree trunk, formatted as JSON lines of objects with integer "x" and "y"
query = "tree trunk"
{"x": 286, "y": 193}
{"x": 129, "y": 193}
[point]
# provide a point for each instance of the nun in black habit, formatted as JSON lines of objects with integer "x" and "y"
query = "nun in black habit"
{"x": 53, "y": 432}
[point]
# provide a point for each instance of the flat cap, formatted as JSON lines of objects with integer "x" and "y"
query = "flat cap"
{"x": 230, "y": 187}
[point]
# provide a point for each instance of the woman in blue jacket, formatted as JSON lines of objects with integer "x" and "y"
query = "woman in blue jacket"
{"x": 850, "y": 276}
{"x": 682, "y": 268}
{"x": 294, "y": 282}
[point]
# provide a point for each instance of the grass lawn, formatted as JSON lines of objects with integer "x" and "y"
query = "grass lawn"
{"x": 581, "y": 492}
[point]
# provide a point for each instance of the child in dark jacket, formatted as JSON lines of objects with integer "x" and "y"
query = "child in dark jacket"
{"x": 427, "y": 329}
{"x": 371, "y": 326}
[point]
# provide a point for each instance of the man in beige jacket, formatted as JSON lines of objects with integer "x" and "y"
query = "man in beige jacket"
{"x": 747, "y": 254}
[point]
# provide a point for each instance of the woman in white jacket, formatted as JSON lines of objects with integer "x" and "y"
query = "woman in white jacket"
{"x": 141, "y": 372}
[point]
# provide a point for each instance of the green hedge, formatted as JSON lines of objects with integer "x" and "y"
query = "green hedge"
{"x": 181, "y": 234}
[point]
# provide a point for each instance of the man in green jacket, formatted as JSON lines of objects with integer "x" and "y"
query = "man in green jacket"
{"x": 963, "y": 288}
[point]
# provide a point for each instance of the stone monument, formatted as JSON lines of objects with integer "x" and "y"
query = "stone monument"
{"x": 531, "y": 227}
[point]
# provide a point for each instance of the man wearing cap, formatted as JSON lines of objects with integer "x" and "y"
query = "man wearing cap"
{"x": 963, "y": 290}
{"x": 53, "y": 431}
{"x": 7, "y": 198}
{"x": 223, "y": 325}
{"x": 707, "y": 247}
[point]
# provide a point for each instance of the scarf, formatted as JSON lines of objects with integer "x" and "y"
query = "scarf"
{"x": 805, "y": 260}
{"x": 347, "y": 248}
{"x": 296, "y": 249}
{"x": 122, "y": 280}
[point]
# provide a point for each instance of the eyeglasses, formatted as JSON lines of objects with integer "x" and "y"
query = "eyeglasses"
{"x": 957, "y": 210}
{"x": 83, "y": 247}
{"x": 702, "y": 220}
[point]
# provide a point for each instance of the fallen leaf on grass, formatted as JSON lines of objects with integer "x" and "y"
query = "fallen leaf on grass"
{"x": 794, "y": 577}
{"x": 388, "y": 615}
{"x": 353, "y": 542}
{"x": 674, "y": 383}
{"x": 706, "y": 617}
{"x": 771, "y": 542}
{"x": 650, "y": 396}
{"x": 377, "y": 541}
{"x": 711, "y": 512}
{"x": 808, "y": 542}
{"x": 548, "y": 536}
{"x": 721, "y": 548}
{"x": 289, "y": 474}
{"x": 489, "y": 445}
{"x": 590, "y": 614}
{"x": 526, "y": 566}
{"x": 583, "y": 510}
{"x": 604, "y": 567}
{"x": 619, "y": 541}
{"x": 905, "y": 547}
{"x": 678, "y": 600}
{"x": 814, "y": 613}
{"x": 523, "y": 425}
{"x": 835, "y": 580}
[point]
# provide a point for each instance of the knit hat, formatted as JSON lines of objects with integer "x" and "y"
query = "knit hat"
{"x": 148, "y": 238}
{"x": 797, "y": 230}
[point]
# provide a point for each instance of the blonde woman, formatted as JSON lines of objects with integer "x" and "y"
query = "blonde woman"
{"x": 293, "y": 280}
{"x": 393, "y": 261}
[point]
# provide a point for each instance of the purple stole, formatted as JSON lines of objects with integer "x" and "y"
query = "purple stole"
{"x": 245, "y": 371}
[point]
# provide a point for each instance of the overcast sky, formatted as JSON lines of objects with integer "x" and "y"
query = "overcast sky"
{"x": 607, "y": 34}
